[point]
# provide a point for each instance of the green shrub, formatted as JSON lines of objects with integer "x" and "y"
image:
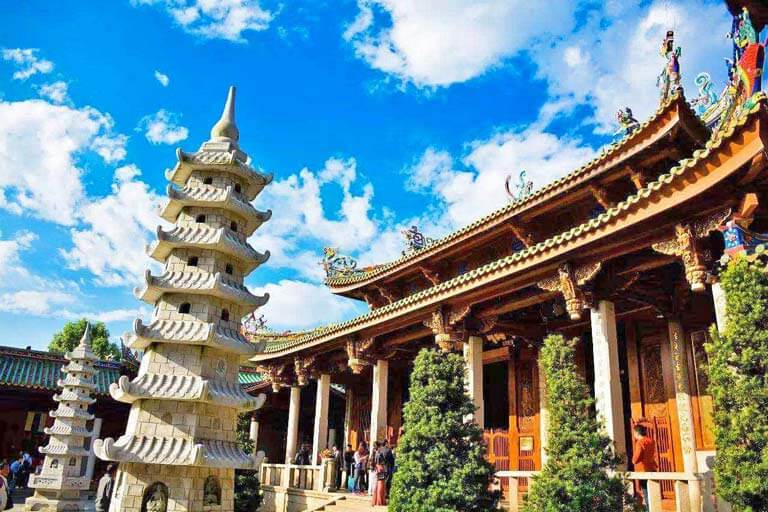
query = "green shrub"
{"x": 739, "y": 388}
{"x": 440, "y": 458}
{"x": 579, "y": 456}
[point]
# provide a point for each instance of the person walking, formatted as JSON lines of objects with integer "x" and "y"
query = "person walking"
{"x": 16, "y": 468}
{"x": 349, "y": 465}
{"x": 5, "y": 491}
{"x": 644, "y": 457}
{"x": 380, "y": 485}
{"x": 338, "y": 461}
{"x": 104, "y": 489}
{"x": 361, "y": 461}
{"x": 389, "y": 463}
{"x": 372, "y": 467}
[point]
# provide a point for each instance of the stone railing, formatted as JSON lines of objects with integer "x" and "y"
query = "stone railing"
{"x": 292, "y": 476}
{"x": 682, "y": 482}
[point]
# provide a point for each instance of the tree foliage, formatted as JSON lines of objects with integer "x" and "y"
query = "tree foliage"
{"x": 441, "y": 464}
{"x": 69, "y": 336}
{"x": 738, "y": 359}
{"x": 579, "y": 453}
{"x": 247, "y": 490}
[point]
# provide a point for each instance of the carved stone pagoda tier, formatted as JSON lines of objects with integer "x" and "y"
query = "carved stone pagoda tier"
{"x": 180, "y": 452}
{"x": 63, "y": 481}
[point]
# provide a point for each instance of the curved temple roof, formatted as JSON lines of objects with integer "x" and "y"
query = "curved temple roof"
{"x": 609, "y": 157}
{"x": 631, "y": 208}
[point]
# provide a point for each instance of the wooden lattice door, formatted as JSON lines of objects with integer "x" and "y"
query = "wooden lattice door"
{"x": 524, "y": 426}
{"x": 657, "y": 392}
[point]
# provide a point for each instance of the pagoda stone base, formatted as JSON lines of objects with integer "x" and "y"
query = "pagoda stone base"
{"x": 71, "y": 501}
{"x": 160, "y": 488}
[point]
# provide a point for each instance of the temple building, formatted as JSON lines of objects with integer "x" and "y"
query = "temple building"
{"x": 66, "y": 473}
{"x": 621, "y": 253}
{"x": 179, "y": 451}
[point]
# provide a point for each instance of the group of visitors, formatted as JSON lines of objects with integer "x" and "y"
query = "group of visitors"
{"x": 370, "y": 471}
{"x": 303, "y": 455}
{"x": 14, "y": 474}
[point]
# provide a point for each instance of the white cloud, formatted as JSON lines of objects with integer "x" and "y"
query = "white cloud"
{"x": 476, "y": 188}
{"x": 298, "y": 305}
{"x": 215, "y": 19}
{"x": 162, "y": 78}
{"x": 11, "y": 268}
{"x": 27, "y": 62}
{"x": 119, "y": 226}
{"x": 35, "y": 302}
{"x": 163, "y": 127}
{"x": 441, "y": 42}
{"x": 56, "y": 92}
{"x": 40, "y": 147}
{"x": 613, "y": 60}
{"x": 302, "y": 219}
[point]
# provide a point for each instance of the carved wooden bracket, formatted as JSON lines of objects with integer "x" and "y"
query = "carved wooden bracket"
{"x": 569, "y": 281}
{"x": 358, "y": 354}
{"x": 276, "y": 375}
{"x": 448, "y": 327}
{"x": 686, "y": 245}
{"x": 303, "y": 367}
{"x": 373, "y": 300}
{"x": 601, "y": 196}
{"x": 638, "y": 179}
{"x": 430, "y": 274}
{"x": 387, "y": 294}
{"x": 522, "y": 234}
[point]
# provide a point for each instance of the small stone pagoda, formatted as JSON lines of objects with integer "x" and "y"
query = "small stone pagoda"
{"x": 179, "y": 452}
{"x": 63, "y": 482}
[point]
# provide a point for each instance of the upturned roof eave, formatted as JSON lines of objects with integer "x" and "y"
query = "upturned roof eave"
{"x": 623, "y": 216}
{"x": 611, "y": 158}
{"x": 179, "y": 198}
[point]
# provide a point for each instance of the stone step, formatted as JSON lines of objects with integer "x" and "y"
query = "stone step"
{"x": 353, "y": 504}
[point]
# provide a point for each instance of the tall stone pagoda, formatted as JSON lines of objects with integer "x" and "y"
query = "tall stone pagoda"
{"x": 179, "y": 452}
{"x": 62, "y": 483}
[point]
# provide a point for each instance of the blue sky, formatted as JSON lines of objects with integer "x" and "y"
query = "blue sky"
{"x": 372, "y": 115}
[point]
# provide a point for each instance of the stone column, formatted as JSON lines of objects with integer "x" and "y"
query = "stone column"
{"x": 605, "y": 352}
{"x": 349, "y": 397}
{"x": 253, "y": 433}
{"x": 92, "y": 456}
{"x": 473, "y": 356}
{"x": 678, "y": 349}
{"x": 379, "y": 401}
{"x": 718, "y": 297}
{"x": 293, "y": 424}
{"x": 320, "y": 431}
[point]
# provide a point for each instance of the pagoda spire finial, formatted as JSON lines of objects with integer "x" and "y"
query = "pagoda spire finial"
{"x": 86, "y": 338}
{"x": 225, "y": 128}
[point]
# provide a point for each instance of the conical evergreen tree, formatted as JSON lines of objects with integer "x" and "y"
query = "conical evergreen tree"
{"x": 738, "y": 360}
{"x": 579, "y": 456}
{"x": 441, "y": 464}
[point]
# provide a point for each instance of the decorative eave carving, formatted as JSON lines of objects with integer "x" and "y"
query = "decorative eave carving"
{"x": 276, "y": 375}
{"x": 638, "y": 178}
{"x": 386, "y": 294}
{"x": 430, "y": 274}
{"x": 448, "y": 326}
{"x": 303, "y": 367}
{"x": 522, "y": 234}
{"x": 601, "y": 196}
{"x": 686, "y": 245}
{"x": 358, "y": 354}
{"x": 569, "y": 282}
